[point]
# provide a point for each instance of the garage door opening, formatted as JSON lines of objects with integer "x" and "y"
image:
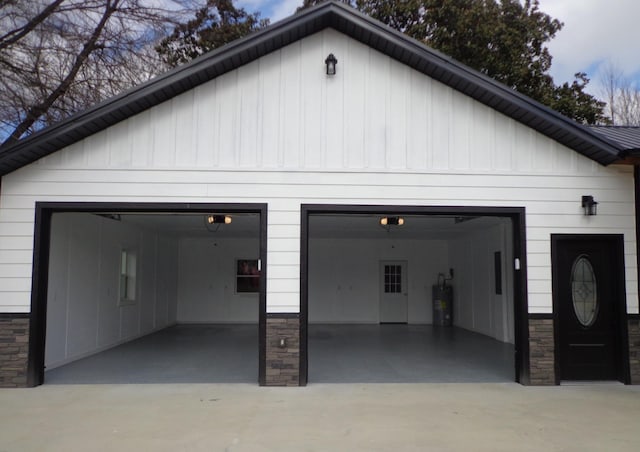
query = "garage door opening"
{"x": 426, "y": 297}
{"x": 144, "y": 296}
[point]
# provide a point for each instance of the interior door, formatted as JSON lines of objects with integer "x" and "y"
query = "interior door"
{"x": 393, "y": 292}
{"x": 588, "y": 296}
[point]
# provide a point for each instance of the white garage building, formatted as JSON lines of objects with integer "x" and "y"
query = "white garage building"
{"x": 114, "y": 224}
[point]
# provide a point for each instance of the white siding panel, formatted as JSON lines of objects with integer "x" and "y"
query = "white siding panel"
{"x": 164, "y": 150}
{"x": 16, "y": 243}
{"x": 375, "y": 138}
{"x": 15, "y": 301}
{"x": 460, "y": 135}
{"x": 75, "y": 155}
{"x": 396, "y": 146}
{"x": 119, "y": 140}
{"x": 509, "y": 181}
{"x": 143, "y": 140}
{"x": 249, "y": 111}
{"x": 283, "y": 302}
{"x": 290, "y": 107}
{"x": 441, "y": 127}
{"x": 479, "y": 159}
{"x": 270, "y": 90}
{"x": 283, "y": 258}
{"x": 205, "y": 125}
{"x": 14, "y": 284}
{"x": 280, "y": 131}
{"x": 15, "y": 257}
{"x": 313, "y": 104}
{"x": 15, "y": 229}
{"x": 418, "y": 151}
{"x": 279, "y": 271}
{"x": 24, "y": 215}
{"x": 334, "y": 151}
{"x": 355, "y": 102}
{"x": 15, "y": 270}
{"x": 185, "y": 133}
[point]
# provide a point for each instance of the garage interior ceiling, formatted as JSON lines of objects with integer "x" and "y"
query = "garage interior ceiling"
{"x": 320, "y": 225}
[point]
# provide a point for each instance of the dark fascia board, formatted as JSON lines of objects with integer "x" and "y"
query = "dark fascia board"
{"x": 345, "y": 20}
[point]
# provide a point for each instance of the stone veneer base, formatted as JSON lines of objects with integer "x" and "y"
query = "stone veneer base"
{"x": 14, "y": 350}
{"x": 541, "y": 352}
{"x": 282, "y": 365}
{"x": 633, "y": 326}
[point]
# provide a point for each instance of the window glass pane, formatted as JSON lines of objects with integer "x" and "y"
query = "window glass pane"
{"x": 128, "y": 270}
{"x": 584, "y": 291}
{"x": 393, "y": 278}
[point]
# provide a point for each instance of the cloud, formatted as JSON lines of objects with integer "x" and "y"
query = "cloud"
{"x": 595, "y": 32}
{"x": 284, "y": 9}
{"x": 272, "y": 9}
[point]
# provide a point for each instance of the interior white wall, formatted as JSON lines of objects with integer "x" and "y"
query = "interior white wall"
{"x": 344, "y": 277}
{"x": 476, "y": 306}
{"x": 206, "y": 280}
{"x": 83, "y": 311}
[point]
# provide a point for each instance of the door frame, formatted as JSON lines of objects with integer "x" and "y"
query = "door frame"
{"x": 517, "y": 216}
{"x": 404, "y": 278}
{"x": 617, "y": 244}
{"x": 40, "y": 269}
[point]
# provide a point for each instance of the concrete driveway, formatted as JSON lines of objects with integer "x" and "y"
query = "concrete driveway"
{"x": 327, "y": 417}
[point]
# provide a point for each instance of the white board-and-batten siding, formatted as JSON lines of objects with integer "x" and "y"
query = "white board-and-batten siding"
{"x": 279, "y": 131}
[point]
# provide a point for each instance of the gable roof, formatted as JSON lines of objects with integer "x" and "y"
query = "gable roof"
{"x": 345, "y": 20}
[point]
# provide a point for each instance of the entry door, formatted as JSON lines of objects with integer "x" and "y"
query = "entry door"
{"x": 588, "y": 298}
{"x": 393, "y": 292}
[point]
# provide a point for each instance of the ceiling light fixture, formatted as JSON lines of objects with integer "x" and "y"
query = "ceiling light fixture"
{"x": 226, "y": 219}
{"x": 391, "y": 221}
{"x": 213, "y": 222}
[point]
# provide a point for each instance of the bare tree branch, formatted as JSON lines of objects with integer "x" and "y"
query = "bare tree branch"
{"x": 14, "y": 35}
{"x": 622, "y": 95}
{"x": 58, "y": 57}
{"x": 38, "y": 110}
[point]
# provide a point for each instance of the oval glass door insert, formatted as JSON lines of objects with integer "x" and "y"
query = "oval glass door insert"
{"x": 584, "y": 291}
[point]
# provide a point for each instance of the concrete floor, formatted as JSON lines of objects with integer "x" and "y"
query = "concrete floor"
{"x": 406, "y": 354}
{"x": 179, "y": 354}
{"x": 321, "y": 417}
{"x": 337, "y": 354}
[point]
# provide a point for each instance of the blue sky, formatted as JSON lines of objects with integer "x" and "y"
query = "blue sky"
{"x": 595, "y": 32}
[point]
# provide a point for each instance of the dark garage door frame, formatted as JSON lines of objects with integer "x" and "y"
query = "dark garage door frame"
{"x": 517, "y": 216}
{"x": 42, "y": 241}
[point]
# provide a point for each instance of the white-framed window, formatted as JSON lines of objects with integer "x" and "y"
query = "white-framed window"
{"x": 128, "y": 270}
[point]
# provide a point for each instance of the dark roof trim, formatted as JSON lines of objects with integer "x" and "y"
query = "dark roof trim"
{"x": 625, "y": 137}
{"x": 345, "y": 20}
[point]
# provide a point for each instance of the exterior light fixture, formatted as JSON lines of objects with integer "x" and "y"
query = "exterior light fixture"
{"x": 391, "y": 221}
{"x": 331, "y": 63}
{"x": 218, "y": 219}
{"x": 589, "y": 205}
{"x": 213, "y": 222}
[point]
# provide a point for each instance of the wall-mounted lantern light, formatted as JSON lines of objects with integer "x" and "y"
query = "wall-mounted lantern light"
{"x": 331, "y": 63}
{"x": 589, "y": 205}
